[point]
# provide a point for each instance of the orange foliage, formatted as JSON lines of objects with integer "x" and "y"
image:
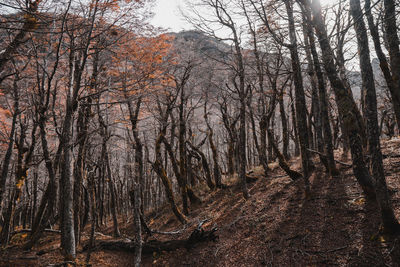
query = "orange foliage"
{"x": 140, "y": 63}
{"x": 5, "y": 126}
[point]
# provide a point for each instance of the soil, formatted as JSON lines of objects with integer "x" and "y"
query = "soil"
{"x": 277, "y": 226}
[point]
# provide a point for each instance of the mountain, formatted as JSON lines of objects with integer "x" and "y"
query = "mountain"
{"x": 201, "y": 43}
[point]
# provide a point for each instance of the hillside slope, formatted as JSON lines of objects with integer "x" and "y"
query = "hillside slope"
{"x": 337, "y": 226}
{"x": 277, "y": 226}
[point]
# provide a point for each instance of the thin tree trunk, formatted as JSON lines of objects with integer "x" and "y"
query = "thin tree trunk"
{"x": 285, "y": 130}
{"x": 217, "y": 168}
{"x": 294, "y": 127}
{"x": 82, "y": 127}
{"x": 136, "y": 203}
{"x": 21, "y": 174}
{"x": 7, "y": 157}
{"x": 111, "y": 188}
{"x": 93, "y": 212}
{"x": 182, "y": 154}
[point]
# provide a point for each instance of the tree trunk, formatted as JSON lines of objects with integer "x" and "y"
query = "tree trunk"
{"x": 82, "y": 127}
{"x": 111, "y": 188}
{"x": 154, "y": 246}
{"x": 8, "y": 154}
{"x": 159, "y": 169}
{"x": 345, "y": 103}
{"x": 389, "y": 220}
{"x": 136, "y": 203}
{"x": 300, "y": 101}
{"x": 182, "y": 151}
{"x": 217, "y": 168}
{"x": 316, "y": 108}
{"x": 21, "y": 174}
{"x": 392, "y": 78}
{"x": 242, "y": 148}
{"x": 93, "y": 212}
{"x": 294, "y": 127}
{"x": 205, "y": 165}
{"x": 285, "y": 130}
{"x": 323, "y": 103}
{"x": 294, "y": 175}
{"x": 66, "y": 192}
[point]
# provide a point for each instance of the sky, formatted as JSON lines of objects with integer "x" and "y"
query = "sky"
{"x": 167, "y": 15}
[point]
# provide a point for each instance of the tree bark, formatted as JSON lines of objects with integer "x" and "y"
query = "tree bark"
{"x": 323, "y": 103}
{"x": 66, "y": 194}
{"x": 7, "y": 157}
{"x": 137, "y": 221}
{"x": 294, "y": 175}
{"x": 181, "y": 143}
{"x": 285, "y": 129}
{"x": 199, "y": 235}
{"x": 111, "y": 187}
{"x": 300, "y": 101}
{"x": 205, "y": 165}
{"x": 389, "y": 220}
{"x": 159, "y": 169}
{"x": 391, "y": 74}
{"x": 216, "y": 168}
{"x": 345, "y": 103}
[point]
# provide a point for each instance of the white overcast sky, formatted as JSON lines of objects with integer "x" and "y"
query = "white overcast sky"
{"x": 167, "y": 15}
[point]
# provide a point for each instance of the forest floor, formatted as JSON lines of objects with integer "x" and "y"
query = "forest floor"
{"x": 277, "y": 226}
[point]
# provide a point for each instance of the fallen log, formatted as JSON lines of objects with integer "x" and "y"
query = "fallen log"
{"x": 251, "y": 179}
{"x": 197, "y": 236}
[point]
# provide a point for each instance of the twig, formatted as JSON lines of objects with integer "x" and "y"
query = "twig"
{"x": 201, "y": 223}
{"x": 326, "y": 251}
{"x": 336, "y": 249}
{"x": 293, "y": 237}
